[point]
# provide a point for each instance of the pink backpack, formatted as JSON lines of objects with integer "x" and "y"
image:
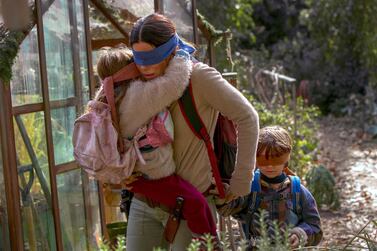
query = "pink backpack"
{"x": 96, "y": 144}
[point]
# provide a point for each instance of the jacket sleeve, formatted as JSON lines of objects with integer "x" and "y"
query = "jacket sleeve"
{"x": 236, "y": 207}
{"x": 223, "y": 97}
{"x": 311, "y": 221}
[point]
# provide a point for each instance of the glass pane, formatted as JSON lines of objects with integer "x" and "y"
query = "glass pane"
{"x": 202, "y": 53}
{"x": 180, "y": 12}
{"x": 100, "y": 27}
{"x": 62, "y": 121}
{"x": 134, "y": 8}
{"x": 34, "y": 181}
{"x": 26, "y": 83}
{"x": 56, "y": 27}
{"x": 93, "y": 212}
{"x": 82, "y": 52}
{"x": 72, "y": 211}
{"x": 4, "y": 232}
{"x": 95, "y": 58}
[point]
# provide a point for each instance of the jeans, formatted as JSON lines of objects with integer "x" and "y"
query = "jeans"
{"x": 146, "y": 227}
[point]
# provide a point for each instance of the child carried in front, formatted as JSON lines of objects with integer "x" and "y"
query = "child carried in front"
{"x": 281, "y": 196}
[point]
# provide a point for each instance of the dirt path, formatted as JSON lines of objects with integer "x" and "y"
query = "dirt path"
{"x": 351, "y": 156}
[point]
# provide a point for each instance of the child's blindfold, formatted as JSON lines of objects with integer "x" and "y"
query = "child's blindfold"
{"x": 275, "y": 161}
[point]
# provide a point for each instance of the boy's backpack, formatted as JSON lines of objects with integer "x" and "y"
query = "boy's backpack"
{"x": 223, "y": 155}
{"x": 255, "y": 198}
{"x": 256, "y": 189}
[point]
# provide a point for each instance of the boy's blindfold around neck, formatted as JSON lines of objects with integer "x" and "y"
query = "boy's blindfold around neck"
{"x": 158, "y": 54}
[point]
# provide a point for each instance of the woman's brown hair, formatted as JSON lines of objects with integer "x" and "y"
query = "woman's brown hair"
{"x": 155, "y": 29}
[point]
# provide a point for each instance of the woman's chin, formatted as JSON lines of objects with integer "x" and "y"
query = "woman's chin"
{"x": 149, "y": 76}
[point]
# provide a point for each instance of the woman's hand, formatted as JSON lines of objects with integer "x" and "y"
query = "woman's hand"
{"x": 127, "y": 183}
{"x": 229, "y": 196}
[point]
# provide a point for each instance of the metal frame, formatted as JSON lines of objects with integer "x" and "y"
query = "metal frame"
{"x": 7, "y": 112}
{"x": 159, "y": 6}
{"x": 97, "y": 44}
{"x": 48, "y": 127}
{"x": 8, "y": 149}
{"x": 194, "y": 21}
{"x": 88, "y": 49}
{"x": 109, "y": 17}
{"x": 75, "y": 56}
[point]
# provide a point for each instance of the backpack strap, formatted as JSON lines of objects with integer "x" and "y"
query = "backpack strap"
{"x": 193, "y": 120}
{"x": 255, "y": 191}
{"x": 130, "y": 71}
{"x": 296, "y": 190}
{"x": 254, "y": 203}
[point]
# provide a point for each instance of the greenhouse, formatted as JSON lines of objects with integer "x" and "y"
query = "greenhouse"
{"x": 46, "y": 201}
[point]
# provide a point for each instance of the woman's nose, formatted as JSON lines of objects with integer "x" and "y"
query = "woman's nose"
{"x": 143, "y": 67}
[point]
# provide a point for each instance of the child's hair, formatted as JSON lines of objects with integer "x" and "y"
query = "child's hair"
{"x": 112, "y": 60}
{"x": 274, "y": 141}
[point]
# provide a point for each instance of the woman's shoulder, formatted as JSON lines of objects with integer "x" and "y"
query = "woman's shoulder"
{"x": 204, "y": 75}
{"x": 200, "y": 69}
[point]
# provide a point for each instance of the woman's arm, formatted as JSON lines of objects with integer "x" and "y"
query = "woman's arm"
{"x": 226, "y": 99}
{"x": 144, "y": 99}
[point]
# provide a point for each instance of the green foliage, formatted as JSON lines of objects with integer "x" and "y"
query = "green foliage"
{"x": 120, "y": 244}
{"x": 9, "y": 46}
{"x": 303, "y": 135}
{"x": 348, "y": 29}
{"x": 321, "y": 184}
{"x": 278, "y": 241}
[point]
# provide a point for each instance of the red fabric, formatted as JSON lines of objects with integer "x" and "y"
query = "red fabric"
{"x": 228, "y": 129}
{"x": 195, "y": 207}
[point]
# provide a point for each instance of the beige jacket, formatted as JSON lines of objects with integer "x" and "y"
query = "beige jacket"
{"x": 212, "y": 94}
{"x": 144, "y": 100}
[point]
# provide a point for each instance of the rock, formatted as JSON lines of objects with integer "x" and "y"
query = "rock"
{"x": 372, "y": 131}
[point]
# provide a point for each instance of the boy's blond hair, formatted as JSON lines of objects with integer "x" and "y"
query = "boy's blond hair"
{"x": 112, "y": 60}
{"x": 274, "y": 142}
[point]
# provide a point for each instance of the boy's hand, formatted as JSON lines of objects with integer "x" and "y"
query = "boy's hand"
{"x": 297, "y": 237}
{"x": 294, "y": 240}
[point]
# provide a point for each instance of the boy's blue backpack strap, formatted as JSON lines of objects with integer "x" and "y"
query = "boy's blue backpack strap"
{"x": 296, "y": 190}
{"x": 255, "y": 190}
{"x": 254, "y": 202}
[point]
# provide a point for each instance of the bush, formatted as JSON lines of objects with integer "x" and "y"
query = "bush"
{"x": 303, "y": 136}
{"x": 321, "y": 184}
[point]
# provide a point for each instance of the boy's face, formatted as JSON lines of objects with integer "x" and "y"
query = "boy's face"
{"x": 273, "y": 166}
{"x": 272, "y": 171}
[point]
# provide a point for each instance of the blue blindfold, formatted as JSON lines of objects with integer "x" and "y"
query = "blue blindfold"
{"x": 158, "y": 54}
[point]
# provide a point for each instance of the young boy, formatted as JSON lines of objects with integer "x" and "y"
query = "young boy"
{"x": 281, "y": 196}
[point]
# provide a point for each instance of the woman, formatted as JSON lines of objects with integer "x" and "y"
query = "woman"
{"x": 154, "y": 41}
